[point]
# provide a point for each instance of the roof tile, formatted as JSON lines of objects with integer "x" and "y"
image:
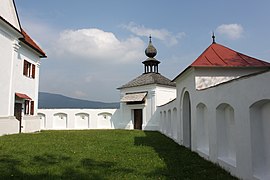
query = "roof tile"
{"x": 28, "y": 40}
{"x": 217, "y": 55}
{"x": 148, "y": 78}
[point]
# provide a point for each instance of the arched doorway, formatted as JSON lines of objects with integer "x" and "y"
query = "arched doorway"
{"x": 260, "y": 133}
{"x": 226, "y": 133}
{"x": 202, "y": 129}
{"x": 42, "y": 118}
{"x": 186, "y": 120}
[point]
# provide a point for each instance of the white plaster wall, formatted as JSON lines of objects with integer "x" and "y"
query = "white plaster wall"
{"x": 8, "y": 125}
{"x": 94, "y": 117}
{"x": 31, "y": 124}
{"x": 8, "y": 12}
{"x": 82, "y": 121}
{"x": 208, "y": 77}
{"x": 24, "y": 84}
{"x": 6, "y": 49}
{"x": 165, "y": 95}
{"x": 13, "y": 53}
{"x": 148, "y": 108}
{"x": 156, "y": 95}
{"x": 239, "y": 94}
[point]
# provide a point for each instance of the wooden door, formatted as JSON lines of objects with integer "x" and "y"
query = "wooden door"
{"x": 138, "y": 118}
{"x": 18, "y": 113}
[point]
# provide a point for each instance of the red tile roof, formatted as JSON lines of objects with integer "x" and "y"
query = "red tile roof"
{"x": 23, "y": 96}
{"x": 27, "y": 39}
{"x": 217, "y": 55}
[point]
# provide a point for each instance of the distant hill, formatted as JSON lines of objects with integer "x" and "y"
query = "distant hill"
{"x": 49, "y": 100}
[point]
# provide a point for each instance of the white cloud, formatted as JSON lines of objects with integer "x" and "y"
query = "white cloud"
{"x": 162, "y": 34}
{"x": 232, "y": 31}
{"x": 97, "y": 45}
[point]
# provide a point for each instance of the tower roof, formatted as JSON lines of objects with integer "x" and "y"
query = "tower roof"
{"x": 217, "y": 55}
{"x": 148, "y": 79}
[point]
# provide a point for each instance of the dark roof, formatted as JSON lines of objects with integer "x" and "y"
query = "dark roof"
{"x": 149, "y": 78}
{"x": 217, "y": 55}
{"x": 30, "y": 42}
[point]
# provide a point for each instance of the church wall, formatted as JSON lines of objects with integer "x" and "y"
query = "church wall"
{"x": 63, "y": 119}
{"x": 208, "y": 77}
{"x": 150, "y": 121}
{"x": 8, "y": 12}
{"x": 22, "y": 83}
{"x": 165, "y": 95}
{"x": 6, "y": 49}
{"x": 13, "y": 52}
{"x": 229, "y": 104}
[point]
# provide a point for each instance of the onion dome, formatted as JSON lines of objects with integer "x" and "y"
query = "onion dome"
{"x": 150, "y": 64}
{"x": 150, "y": 51}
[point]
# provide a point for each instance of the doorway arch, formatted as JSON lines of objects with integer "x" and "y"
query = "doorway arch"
{"x": 186, "y": 114}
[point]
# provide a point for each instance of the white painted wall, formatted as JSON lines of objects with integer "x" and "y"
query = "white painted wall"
{"x": 8, "y": 125}
{"x": 13, "y": 54}
{"x": 208, "y": 77}
{"x": 8, "y": 12}
{"x": 6, "y": 49}
{"x": 156, "y": 95}
{"x": 79, "y": 119}
{"x": 238, "y": 123}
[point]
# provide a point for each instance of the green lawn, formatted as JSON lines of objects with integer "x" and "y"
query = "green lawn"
{"x": 101, "y": 154}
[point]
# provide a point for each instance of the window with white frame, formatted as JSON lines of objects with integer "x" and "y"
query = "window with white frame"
{"x": 29, "y": 69}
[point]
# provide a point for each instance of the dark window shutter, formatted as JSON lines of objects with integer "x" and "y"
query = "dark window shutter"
{"x": 25, "y": 64}
{"x": 32, "y": 108}
{"x": 33, "y": 71}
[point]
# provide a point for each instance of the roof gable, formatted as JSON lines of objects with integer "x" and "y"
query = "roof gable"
{"x": 9, "y": 13}
{"x": 217, "y": 55}
{"x": 30, "y": 42}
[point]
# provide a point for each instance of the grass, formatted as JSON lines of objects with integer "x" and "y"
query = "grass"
{"x": 101, "y": 154}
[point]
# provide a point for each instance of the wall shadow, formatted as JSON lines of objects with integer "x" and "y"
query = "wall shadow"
{"x": 180, "y": 162}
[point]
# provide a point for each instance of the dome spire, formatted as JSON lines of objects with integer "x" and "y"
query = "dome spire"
{"x": 150, "y": 64}
{"x": 214, "y": 38}
{"x": 150, "y": 51}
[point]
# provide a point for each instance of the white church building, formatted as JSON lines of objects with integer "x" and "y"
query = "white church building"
{"x": 222, "y": 111}
{"x": 219, "y": 106}
{"x": 19, "y": 68}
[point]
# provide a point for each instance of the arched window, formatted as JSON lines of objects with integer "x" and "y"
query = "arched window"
{"x": 260, "y": 134}
{"x": 202, "y": 129}
{"x": 169, "y": 123}
{"x": 165, "y": 122}
{"x": 226, "y": 134}
{"x": 82, "y": 121}
{"x": 60, "y": 121}
{"x": 186, "y": 120}
{"x": 174, "y": 124}
{"x": 161, "y": 121}
{"x": 42, "y": 118}
{"x": 104, "y": 120}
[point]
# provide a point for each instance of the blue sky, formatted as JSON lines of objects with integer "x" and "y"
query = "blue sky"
{"x": 95, "y": 46}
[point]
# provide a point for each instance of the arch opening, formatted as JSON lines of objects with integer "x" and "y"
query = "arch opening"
{"x": 260, "y": 133}
{"x": 186, "y": 120}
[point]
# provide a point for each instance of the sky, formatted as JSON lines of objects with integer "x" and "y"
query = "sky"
{"x": 96, "y": 46}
